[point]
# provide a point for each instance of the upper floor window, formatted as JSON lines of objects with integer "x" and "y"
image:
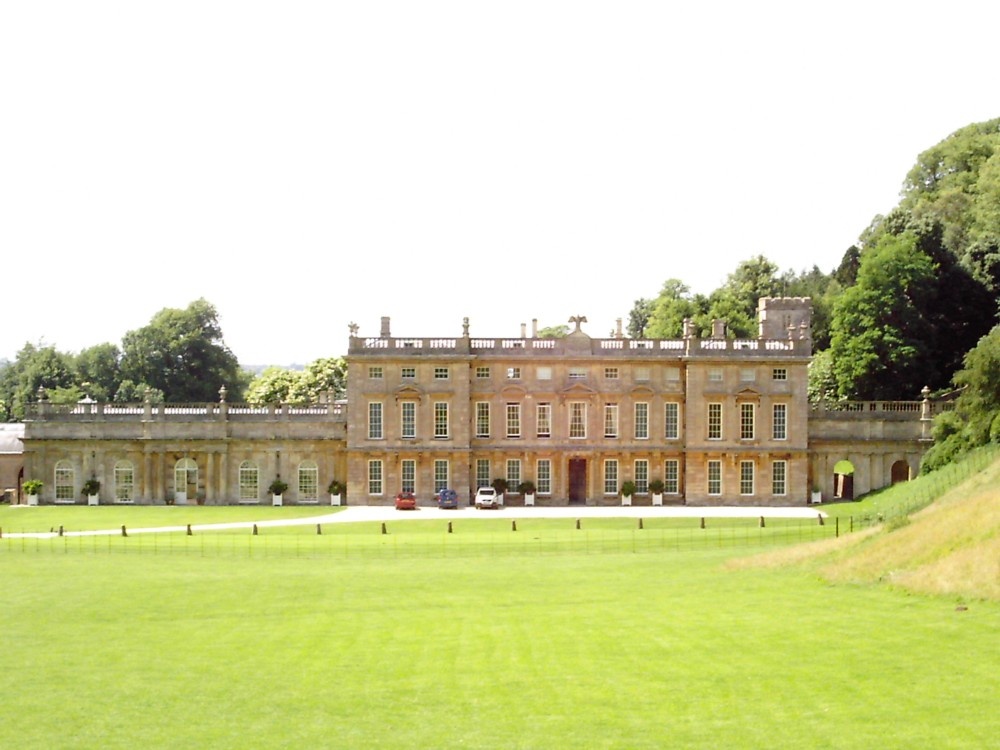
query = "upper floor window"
{"x": 779, "y": 422}
{"x": 715, "y": 374}
{"x": 408, "y": 419}
{"x": 375, "y": 420}
{"x": 747, "y": 375}
{"x": 482, "y": 372}
{"x": 671, "y": 420}
{"x": 611, "y": 420}
{"x": 779, "y": 373}
{"x": 715, "y": 421}
{"x": 544, "y": 420}
{"x": 611, "y": 373}
{"x": 375, "y": 372}
{"x": 513, "y": 420}
{"x": 642, "y": 374}
{"x": 577, "y": 373}
{"x": 544, "y": 373}
{"x": 513, "y": 373}
{"x": 577, "y": 419}
{"x": 408, "y": 373}
{"x": 440, "y": 419}
{"x": 747, "y": 421}
{"x": 672, "y": 374}
{"x": 441, "y": 373}
{"x": 482, "y": 419}
{"x": 642, "y": 420}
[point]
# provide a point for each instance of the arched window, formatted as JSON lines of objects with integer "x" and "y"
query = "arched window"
{"x": 185, "y": 480}
{"x": 124, "y": 482}
{"x": 249, "y": 481}
{"x": 65, "y": 479}
{"x": 308, "y": 482}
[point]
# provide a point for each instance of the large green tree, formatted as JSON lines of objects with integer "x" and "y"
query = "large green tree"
{"x": 182, "y": 353}
{"x": 98, "y": 372}
{"x": 34, "y": 368}
{"x": 879, "y": 340}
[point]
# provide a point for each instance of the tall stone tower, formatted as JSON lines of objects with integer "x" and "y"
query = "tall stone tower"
{"x": 785, "y": 317}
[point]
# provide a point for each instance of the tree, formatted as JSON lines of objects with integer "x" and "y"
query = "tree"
{"x": 275, "y": 385}
{"x": 639, "y": 317}
{"x": 321, "y": 377}
{"x": 554, "y": 332}
{"x": 879, "y": 331}
{"x": 669, "y": 310}
{"x": 736, "y": 300}
{"x": 976, "y": 418}
{"x": 98, "y": 372}
{"x": 181, "y": 352}
{"x": 34, "y": 367}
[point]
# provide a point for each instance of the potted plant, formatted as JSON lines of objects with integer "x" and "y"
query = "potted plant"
{"x": 527, "y": 488}
{"x": 32, "y": 489}
{"x": 628, "y": 489}
{"x": 91, "y": 488}
{"x": 500, "y": 485}
{"x": 817, "y": 494}
{"x": 277, "y": 489}
{"x": 656, "y": 488}
{"x": 336, "y": 490}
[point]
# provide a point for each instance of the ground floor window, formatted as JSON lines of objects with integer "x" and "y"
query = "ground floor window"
{"x": 671, "y": 476}
{"x": 611, "y": 476}
{"x": 715, "y": 477}
{"x": 746, "y": 477}
{"x": 642, "y": 476}
{"x": 543, "y": 476}
{"x": 513, "y": 473}
{"x": 408, "y": 478}
{"x": 65, "y": 478}
{"x": 375, "y": 477}
{"x": 124, "y": 482}
{"x": 482, "y": 472}
{"x": 249, "y": 481}
{"x": 308, "y": 481}
{"x": 779, "y": 478}
{"x": 440, "y": 475}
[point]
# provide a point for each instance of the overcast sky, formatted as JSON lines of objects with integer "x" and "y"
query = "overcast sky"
{"x": 303, "y": 165}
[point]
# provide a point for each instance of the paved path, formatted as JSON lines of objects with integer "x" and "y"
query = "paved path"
{"x": 362, "y": 513}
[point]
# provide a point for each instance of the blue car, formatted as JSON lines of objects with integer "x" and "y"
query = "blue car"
{"x": 447, "y": 499}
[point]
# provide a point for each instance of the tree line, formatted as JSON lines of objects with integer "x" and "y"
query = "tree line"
{"x": 179, "y": 357}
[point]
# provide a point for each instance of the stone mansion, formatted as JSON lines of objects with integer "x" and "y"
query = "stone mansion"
{"x": 717, "y": 421}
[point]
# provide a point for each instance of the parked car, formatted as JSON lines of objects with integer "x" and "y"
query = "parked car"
{"x": 447, "y": 499}
{"x": 406, "y": 501}
{"x": 486, "y": 497}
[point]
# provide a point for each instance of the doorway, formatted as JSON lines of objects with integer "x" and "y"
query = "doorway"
{"x": 578, "y": 481}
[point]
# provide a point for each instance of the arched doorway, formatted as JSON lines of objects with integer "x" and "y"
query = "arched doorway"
{"x": 843, "y": 480}
{"x": 185, "y": 481}
{"x": 900, "y": 472}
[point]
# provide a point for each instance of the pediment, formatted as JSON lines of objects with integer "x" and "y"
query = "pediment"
{"x": 513, "y": 391}
{"x": 408, "y": 392}
{"x": 642, "y": 391}
{"x": 578, "y": 390}
{"x": 748, "y": 394}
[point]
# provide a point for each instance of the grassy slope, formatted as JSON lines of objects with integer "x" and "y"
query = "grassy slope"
{"x": 951, "y": 547}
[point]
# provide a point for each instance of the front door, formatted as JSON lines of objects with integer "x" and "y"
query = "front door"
{"x": 578, "y": 480}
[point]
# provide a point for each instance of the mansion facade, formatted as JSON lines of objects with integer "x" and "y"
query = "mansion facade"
{"x": 716, "y": 421}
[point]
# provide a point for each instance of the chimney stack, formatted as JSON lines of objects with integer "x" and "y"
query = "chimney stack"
{"x": 385, "y": 327}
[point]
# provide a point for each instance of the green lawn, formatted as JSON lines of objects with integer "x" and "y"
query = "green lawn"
{"x": 283, "y": 641}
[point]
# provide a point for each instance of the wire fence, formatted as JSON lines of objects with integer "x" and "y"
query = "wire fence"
{"x": 388, "y": 541}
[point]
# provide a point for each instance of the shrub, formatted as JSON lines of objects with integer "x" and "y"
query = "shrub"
{"x": 90, "y": 487}
{"x": 527, "y": 487}
{"x": 32, "y": 486}
{"x": 278, "y": 487}
{"x": 335, "y": 488}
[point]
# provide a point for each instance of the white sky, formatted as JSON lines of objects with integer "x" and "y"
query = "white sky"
{"x": 303, "y": 165}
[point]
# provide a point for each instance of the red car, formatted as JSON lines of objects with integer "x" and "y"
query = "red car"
{"x": 406, "y": 501}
